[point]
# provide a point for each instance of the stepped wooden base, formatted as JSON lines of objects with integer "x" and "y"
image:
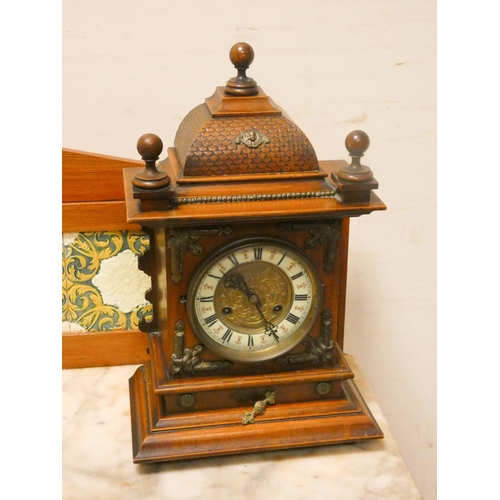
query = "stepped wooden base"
{"x": 160, "y": 438}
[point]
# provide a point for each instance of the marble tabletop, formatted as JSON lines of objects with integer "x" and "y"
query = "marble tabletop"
{"x": 97, "y": 456}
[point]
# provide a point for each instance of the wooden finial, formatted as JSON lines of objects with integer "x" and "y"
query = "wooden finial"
{"x": 150, "y": 147}
{"x": 241, "y": 55}
{"x": 357, "y": 142}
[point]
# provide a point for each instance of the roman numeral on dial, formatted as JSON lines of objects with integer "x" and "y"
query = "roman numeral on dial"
{"x": 211, "y": 320}
{"x": 292, "y": 318}
{"x": 233, "y": 259}
{"x": 209, "y": 299}
{"x": 227, "y": 335}
{"x": 301, "y": 297}
{"x": 257, "y": 253}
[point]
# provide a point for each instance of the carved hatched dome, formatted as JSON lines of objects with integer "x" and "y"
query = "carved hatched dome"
{"x": 239, "y": 130}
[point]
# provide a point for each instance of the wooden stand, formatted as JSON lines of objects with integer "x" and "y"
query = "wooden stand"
{"x": 162, "y": 436}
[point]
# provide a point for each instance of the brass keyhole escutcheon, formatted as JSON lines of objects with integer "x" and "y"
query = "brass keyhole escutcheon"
{"x": 259, "y": 407}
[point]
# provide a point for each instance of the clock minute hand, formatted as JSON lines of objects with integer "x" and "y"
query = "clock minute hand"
{"x": 271, "y": 329}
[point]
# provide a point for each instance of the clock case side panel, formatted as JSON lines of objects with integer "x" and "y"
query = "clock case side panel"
{"x": 187, "y": 247}
{"x": 343, "y": 255}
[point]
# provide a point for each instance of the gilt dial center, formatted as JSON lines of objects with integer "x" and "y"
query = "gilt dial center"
{"x": 250, "y": 289}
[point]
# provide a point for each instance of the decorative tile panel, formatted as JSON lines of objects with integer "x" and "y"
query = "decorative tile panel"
{"x": 102, "y": 287}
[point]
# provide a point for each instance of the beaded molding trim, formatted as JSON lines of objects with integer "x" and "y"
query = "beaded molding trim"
{"x": 252, "y": 197}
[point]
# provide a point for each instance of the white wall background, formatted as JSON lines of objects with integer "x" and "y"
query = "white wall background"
{"x": 334, "y": 66}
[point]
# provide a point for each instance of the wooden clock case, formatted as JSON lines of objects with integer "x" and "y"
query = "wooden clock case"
{"x": 240, "y": 168}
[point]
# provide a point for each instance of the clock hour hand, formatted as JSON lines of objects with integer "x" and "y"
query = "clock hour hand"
{"x": 237, "y": 281}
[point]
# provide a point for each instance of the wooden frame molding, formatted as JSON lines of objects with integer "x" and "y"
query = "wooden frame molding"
{"x": 91, "y": 349}
{"x": 93, "y": 199}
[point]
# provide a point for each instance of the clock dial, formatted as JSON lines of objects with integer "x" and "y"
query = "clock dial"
{"x": 254, "y": 300}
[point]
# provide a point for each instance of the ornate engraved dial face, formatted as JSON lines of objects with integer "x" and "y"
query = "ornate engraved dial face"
{"x": 254, "y": 300}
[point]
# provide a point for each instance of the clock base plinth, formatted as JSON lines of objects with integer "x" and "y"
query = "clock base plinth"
{"x": 290, "y": 425}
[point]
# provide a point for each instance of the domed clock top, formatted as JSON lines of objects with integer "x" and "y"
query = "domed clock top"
{"x": 240, "y": 137}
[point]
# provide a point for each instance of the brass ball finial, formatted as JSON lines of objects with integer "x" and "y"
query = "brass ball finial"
{"x": 150, "y": 147}
{"x": 356, "y": 143}
{"x": 241, "y": 55}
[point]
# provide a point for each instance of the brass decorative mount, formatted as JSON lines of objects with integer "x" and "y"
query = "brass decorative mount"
{"x": 189, "y": 360}
{"x": 241, "y": 55}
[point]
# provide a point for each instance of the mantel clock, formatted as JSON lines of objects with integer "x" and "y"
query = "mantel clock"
{"x": 248, "y": 262}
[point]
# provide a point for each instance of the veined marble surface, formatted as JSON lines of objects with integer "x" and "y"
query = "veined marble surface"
{"x": 97, "y": 457}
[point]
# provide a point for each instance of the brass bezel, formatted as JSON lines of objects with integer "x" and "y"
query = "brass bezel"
{"x": 272, "y": 351}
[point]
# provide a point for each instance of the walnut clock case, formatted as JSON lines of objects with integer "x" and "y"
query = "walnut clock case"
{"x": 248, "y": 261}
